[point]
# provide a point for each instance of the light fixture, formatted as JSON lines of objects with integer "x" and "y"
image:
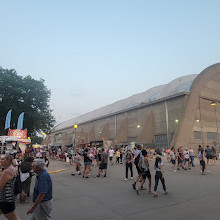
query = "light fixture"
{"x": 197, "y": 120}
{"x": 176, "y": 121}
{"x": 75, "y": 126}
{"x": 213, "y": 103}
{"x": 138, "y": 126}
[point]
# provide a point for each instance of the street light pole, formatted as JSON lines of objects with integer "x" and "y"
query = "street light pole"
{"x": 74, "y": 143}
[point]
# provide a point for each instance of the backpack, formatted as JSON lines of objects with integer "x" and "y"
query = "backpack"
{"x": 18, "y": 185}
{"x": 136, "y": 160}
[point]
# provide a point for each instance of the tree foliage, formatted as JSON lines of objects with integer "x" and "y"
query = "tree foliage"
{"x": 24, "y": 94}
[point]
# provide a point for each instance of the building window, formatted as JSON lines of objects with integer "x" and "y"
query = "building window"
{"x": 197, "y": 135}
{"x": 161, "y": 141}
{"x": 211, "y": 135}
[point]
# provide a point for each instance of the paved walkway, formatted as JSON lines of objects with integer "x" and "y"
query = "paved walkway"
{"x": 191, "y": 195}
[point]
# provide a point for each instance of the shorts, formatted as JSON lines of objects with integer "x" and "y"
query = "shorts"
{"x": 103, "y": 166}
{"x": 173, "y": 162}
{"x": 7, "y": 207}
{"x": 179, "y": 161}
{"x": 138, "y": 169}
{"x": 87, "y": 163}
{"x": 146, "y": 174}
{"x": 187, "y": 159}
{"x": 110, "y": 158}
{"x": 209, "y": 157}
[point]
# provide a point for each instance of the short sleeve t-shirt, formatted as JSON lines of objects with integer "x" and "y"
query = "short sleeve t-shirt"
{"x": 105, "y": 157}
{"x": 186, "y": 154}
{"x": 43, "y": 184}
{"x": 111, "y": 153}
{"x": 172, "y": 155}
{"x": 208, "y": 151}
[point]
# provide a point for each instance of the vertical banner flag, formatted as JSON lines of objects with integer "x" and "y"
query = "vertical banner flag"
{"x": 20, "y": 121}
{"x": 8, "y": 120}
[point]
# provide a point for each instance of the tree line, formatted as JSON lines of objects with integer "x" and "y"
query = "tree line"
{"x": 24, "y": 94}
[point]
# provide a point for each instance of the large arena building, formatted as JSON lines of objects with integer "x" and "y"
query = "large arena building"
{"x": 184, "y": 112}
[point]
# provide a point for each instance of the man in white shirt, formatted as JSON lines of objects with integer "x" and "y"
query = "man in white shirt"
{"x": 111, "y": 154}
{"x": 186, "y": 157}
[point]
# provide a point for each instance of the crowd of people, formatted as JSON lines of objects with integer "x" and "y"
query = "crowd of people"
{"x": 35, "y": 161}
{"x": 17, "y": 172}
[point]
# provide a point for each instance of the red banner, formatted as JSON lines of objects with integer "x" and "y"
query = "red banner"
{"x": 21, "y": 134}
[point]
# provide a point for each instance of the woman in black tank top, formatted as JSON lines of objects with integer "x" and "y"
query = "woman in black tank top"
{"x": 87, "y": 163}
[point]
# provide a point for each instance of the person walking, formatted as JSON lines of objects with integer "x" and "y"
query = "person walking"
{"x": 87, "y": 163}
{"x": 111, "y": 155}
{"x": 173, "y": 159}
{"x": 214, "y": 155}
{"x": 117, "y": 156}
{"x": 26, "y": 174}
{"x": 208, "y": 153}
{"x": 128, "y": 163}
{"x": 137, "y": 155}
{"x": 180, "y": 158}
{"x": 159, "y": 175}
{"x": 186, "y": 158}
{"x": 191, "y": 155}
{"x": 77, "y": 159}
{"x": 42, "y": 195}
{"x": 201, "y": 160}
{"x": 145, "y": 172}
{"x": 7, "y": 182}
{"x": 104, "y": 163}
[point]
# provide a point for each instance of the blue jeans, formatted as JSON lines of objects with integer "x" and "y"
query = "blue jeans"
{"x": 191, "y": 161}
{"x": 129, "y": 165}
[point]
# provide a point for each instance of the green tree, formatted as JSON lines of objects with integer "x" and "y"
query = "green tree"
{"x": 24, "y": 94}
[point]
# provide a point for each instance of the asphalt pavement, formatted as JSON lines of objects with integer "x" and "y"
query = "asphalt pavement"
{"x": 190, "y": 195}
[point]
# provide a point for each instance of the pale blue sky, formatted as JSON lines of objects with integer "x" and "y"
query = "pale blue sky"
{"x": 94, "y": 52}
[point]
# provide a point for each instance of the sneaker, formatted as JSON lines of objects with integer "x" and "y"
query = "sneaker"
{"x": 142, "y": 188}
{"x": 87, "y": 177}
{"x": 166, "y": 192}
{"x": 79, "y": 173}
{"x": 174, "y": 170}
{"x": 178, "y": 168}
{"x": 137, "y": 192}
{"x": 125, "y": 179}
{"x": 132, "y": 178}
{"x": 104, "y": 175}
{"x": 73, "y": 174}
{"x": 98, "y": 175}
{"x": 134, "y": 186}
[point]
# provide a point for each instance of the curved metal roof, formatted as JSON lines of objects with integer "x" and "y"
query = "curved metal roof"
{"x": 182, "y": 84}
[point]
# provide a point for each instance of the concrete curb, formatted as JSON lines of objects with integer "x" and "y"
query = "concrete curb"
{"x": 56, "y": 171}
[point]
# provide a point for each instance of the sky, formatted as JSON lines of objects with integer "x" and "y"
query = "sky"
{"x": 92, "y": 53}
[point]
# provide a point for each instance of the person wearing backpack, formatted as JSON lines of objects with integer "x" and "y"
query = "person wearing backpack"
{"x": 145, "y": 171}
{"x": 26, "y": 174}
{"x": 137, "y": 154}
{"x": 7, "y": 183}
